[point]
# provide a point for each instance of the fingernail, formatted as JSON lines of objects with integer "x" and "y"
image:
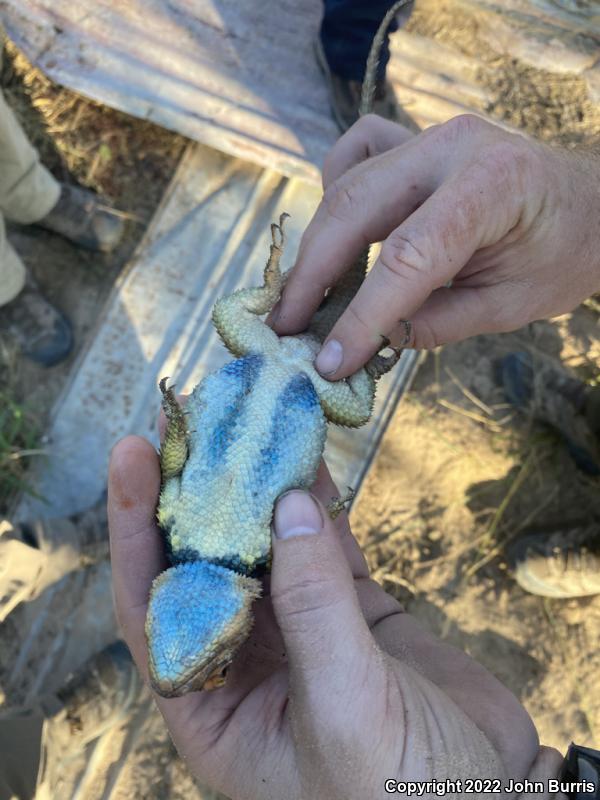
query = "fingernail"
{"x": 330, "y": 358}
{"x": 296, "y": 514}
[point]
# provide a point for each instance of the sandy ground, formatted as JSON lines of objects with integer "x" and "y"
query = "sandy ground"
{"x": 459, "y": 474}
{"x": 445, "y": 496}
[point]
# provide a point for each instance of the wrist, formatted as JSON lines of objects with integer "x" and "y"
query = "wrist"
{"x": 581, "y": 207}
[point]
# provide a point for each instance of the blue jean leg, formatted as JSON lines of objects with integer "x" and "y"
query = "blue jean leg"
{"x": 347, "y": 31}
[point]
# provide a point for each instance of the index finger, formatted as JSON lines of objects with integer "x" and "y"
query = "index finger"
{"x": 432, "y": 201}
{"x": 369, "y": 137}
{"x": 360, "y": 207}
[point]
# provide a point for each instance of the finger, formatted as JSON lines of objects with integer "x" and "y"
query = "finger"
{"x": 135, "y": 543}
{"x": 327, "y": 640}
{"x": 368, "y": 137}
{"x": 426, "y": 251}
{"x": 451, "y": 315}
{"x": 361, "y": 207}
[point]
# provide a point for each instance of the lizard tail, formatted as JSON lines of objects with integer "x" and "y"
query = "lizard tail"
{"x": 368, "y": 88}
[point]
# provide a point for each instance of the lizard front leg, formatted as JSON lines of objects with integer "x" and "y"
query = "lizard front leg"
{"x": 174, "y": 448}
{"x": 338, "y": 504}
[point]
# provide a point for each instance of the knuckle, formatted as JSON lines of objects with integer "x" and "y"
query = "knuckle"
{"x": 463, "y": 126}
{"x": 352, "y": 148}
{"x": 499, "y": 159}
{"x": 365, "y": 128}
{"x": 342, "y": 200}
{"x": 508, "y": 161}
{"x": 403, "y": 259}
{"x": 367, "y": 122}
{"x": 424, "y": 337}
{"x": 298, "y": 602}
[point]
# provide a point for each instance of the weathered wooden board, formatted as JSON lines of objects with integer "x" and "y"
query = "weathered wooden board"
{"x": 555, "y": 35}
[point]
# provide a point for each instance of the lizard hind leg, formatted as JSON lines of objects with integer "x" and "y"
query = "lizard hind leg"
{"x": 236, "y": 316}
{"x": 379, "y": 364}
{"x": 349, "y": 402}
{"x": 174, "y": 447}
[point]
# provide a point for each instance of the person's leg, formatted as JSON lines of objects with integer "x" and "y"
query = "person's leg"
{"x": 27, "y": 190}
{"x": 30, "y": 194}
{"x": 39, "y": 329}
{"x": 12, "y": 269}
{"x": 347, "y": 31}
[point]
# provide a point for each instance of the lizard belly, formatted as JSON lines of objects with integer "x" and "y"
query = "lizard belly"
{"x": 257, "y": 430}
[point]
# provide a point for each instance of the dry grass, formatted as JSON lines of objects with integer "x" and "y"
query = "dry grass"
{"x": 85, "y": 142}
{"x": 19, "y": 432}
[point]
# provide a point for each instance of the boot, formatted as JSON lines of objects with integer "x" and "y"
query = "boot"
{"x": 564, "y": 564}
{"x": 42, "y": 332}
{"x": 80, "y": 216}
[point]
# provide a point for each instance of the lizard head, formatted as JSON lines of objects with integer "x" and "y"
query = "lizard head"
{"x": 198, "y": 616}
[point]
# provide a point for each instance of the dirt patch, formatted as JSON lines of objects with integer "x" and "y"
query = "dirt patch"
{"x": 453, "y": 485}
{"x": 552, "y": 106}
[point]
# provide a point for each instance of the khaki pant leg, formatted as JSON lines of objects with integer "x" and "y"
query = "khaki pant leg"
{"x": 20, "y": 745}
{"x": 27, "y": 190}
{"x": 12, "y": 270}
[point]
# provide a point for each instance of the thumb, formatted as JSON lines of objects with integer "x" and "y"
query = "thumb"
{"x": 329, "y": 647}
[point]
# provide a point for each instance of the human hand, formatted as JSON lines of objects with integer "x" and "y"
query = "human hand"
{"x": 336, "y": 689}
{"x": 513, "y": 223}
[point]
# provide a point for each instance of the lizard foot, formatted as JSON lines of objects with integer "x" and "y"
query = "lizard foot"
{"x": 199, "y": 615}
{"x": 378, "y": 365}
{"x": 174, "y": 449}
{"x": 335, "y": 508}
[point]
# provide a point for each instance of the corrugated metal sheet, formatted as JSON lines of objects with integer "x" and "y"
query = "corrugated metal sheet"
{"x": 241, "y": 75}
{"x": 237, "y": 75}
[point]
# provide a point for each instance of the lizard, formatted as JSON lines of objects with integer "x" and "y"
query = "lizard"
{"x": 250, "y": 431}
